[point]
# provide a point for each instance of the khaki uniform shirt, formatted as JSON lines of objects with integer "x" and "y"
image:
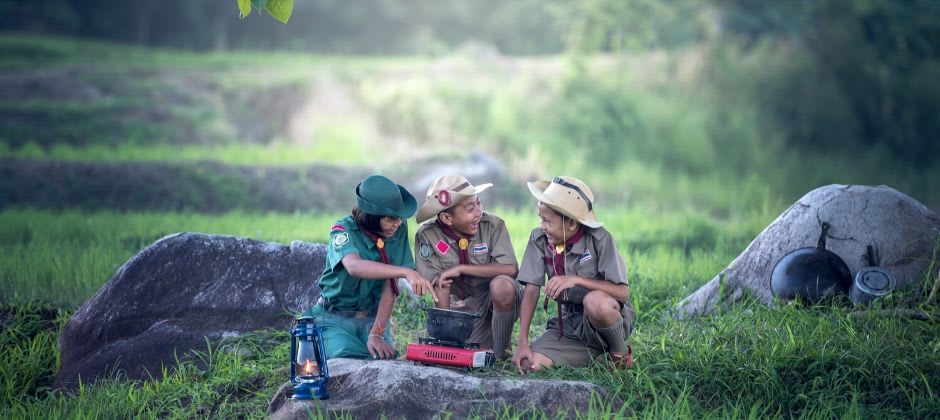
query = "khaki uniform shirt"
{"x": 595, "y": 256}
{"x": 435, "y": 252}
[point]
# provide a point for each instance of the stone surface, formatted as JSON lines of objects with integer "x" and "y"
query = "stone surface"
{"x": 180, "y": 291}
{"x": 401, "y": 389}
{"x": 903, "y": 231}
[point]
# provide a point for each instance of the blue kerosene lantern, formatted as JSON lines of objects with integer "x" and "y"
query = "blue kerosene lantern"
{"x": 308, "y": 370}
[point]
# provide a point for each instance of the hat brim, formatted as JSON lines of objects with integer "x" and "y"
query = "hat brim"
{"x": 409, "y": 205}
{"x": 431, "y": 207}
{"x": 537, "y": 189}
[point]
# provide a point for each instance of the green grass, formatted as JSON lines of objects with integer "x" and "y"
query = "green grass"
{"x": 73, "y": 253}
{"x": 749, "y": 361}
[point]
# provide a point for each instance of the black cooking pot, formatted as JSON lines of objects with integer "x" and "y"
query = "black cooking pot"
{"x": 450, "y": 325}
{"x": 810, "y": 273}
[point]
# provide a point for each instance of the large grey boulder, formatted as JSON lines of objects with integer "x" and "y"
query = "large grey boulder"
{"x": 400, "y": 389}
{"x": 903, "y": 231}
{"x": 178, "y": 292}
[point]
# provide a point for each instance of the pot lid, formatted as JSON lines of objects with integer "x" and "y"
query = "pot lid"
{"x": 875, "y": 281}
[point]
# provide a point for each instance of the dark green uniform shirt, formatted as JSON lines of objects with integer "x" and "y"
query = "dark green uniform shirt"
{"x": 344, "y": 291}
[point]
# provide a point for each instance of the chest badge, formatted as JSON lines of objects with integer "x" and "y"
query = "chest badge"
{"x": 585, "y": 257}
{"x": 442, "y": 247}
{"x": 480, "y": 248}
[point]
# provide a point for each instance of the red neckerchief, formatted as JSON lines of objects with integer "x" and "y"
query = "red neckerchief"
{"x": 463, "y": 243}
{"x": 380, "y": 244}
{"x": 557, "y": 260}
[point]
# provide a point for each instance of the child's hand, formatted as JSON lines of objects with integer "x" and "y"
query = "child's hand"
{"x": 379, "y": 348}
{"x": 522, "y": 358}
{"x": 420, "y": 284}
{"x": 449, "y": 275}
{"x": 558, "y": 284}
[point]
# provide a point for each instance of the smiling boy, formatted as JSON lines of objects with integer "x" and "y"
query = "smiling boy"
{"x": 586, "y": 276}
{"x": 468, "y": 253}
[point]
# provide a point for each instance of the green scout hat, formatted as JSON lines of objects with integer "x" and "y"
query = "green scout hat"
{"x": 446, "y": 192}
{"x": 380, "y": 196}
{"x": 568, "y": 196}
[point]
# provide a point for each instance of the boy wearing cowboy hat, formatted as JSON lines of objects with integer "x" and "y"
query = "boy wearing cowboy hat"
{"x": 469, "y": 254}
{"x": 368, "y": 251}
{"x": 586, "y": 276}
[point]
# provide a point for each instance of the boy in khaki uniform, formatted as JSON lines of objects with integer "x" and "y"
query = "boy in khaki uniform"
{"x": 469, "y": 254}
{"x": 586, "y": 276}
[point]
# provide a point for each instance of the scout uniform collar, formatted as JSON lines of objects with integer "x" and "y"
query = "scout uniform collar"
{"x": 380, "y": 244}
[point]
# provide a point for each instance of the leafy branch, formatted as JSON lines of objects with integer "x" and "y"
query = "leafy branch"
{"x": 279, "y": 9}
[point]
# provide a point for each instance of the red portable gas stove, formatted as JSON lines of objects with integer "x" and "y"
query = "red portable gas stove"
{"x": 432, "y": 351}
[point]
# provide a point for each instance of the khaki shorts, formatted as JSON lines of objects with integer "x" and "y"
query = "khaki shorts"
{"x": 482, "y": 326}
{"x": 581, "y": 343}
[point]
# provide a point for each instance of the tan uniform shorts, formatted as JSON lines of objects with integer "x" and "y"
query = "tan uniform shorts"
{"x": 581, "y": 343}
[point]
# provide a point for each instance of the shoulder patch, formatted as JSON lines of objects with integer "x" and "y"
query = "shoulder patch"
{"x": 424, "y": 250}
{"x": 337, "y": 226}
{"x": 442, "y": 247}
{"x": 340, "y": 239}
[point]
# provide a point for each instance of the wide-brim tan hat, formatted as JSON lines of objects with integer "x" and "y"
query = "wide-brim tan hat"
{"x": 568, "y": 196}
{"x": 446, "y": 192}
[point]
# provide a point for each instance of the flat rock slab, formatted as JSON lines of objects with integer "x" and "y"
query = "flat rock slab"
{"x": 402, "y": 389}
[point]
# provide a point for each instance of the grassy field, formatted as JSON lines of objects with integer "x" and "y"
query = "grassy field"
{"x": 682, "y": 185}
{"x": 747, "y": 361}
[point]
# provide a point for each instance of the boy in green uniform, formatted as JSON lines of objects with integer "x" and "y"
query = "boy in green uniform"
{"x": 368, "y": 251}
{"x": 468, "y": 253}
{"x": 586, "y": 276}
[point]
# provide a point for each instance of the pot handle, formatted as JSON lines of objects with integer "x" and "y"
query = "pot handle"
{"x": 821, "y": 244}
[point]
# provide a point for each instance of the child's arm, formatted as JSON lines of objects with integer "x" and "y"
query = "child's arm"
{"x": 488, "y": 270}
{"x": 557, "y": 284}
{"x": 374, "y": 270}
{"x": 530, "y": 298}
{"x": 378, "y": 347}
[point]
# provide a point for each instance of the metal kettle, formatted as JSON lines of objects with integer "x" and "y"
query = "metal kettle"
{"x": 810, "y": 273}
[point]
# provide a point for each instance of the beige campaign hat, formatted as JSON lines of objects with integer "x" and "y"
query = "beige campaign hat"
{"x": 446, "y": 192}
{"x": 568, "y": 196}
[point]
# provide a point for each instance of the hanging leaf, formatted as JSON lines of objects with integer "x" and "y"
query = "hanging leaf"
{"x": 280, "y": 9}
{"x": 244, "y": 8}
{"x": 259, "y": 4}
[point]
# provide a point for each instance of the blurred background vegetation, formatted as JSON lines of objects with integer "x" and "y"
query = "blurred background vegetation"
{"x": 696, "y": 122}
{"x": 718, "y": 106}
